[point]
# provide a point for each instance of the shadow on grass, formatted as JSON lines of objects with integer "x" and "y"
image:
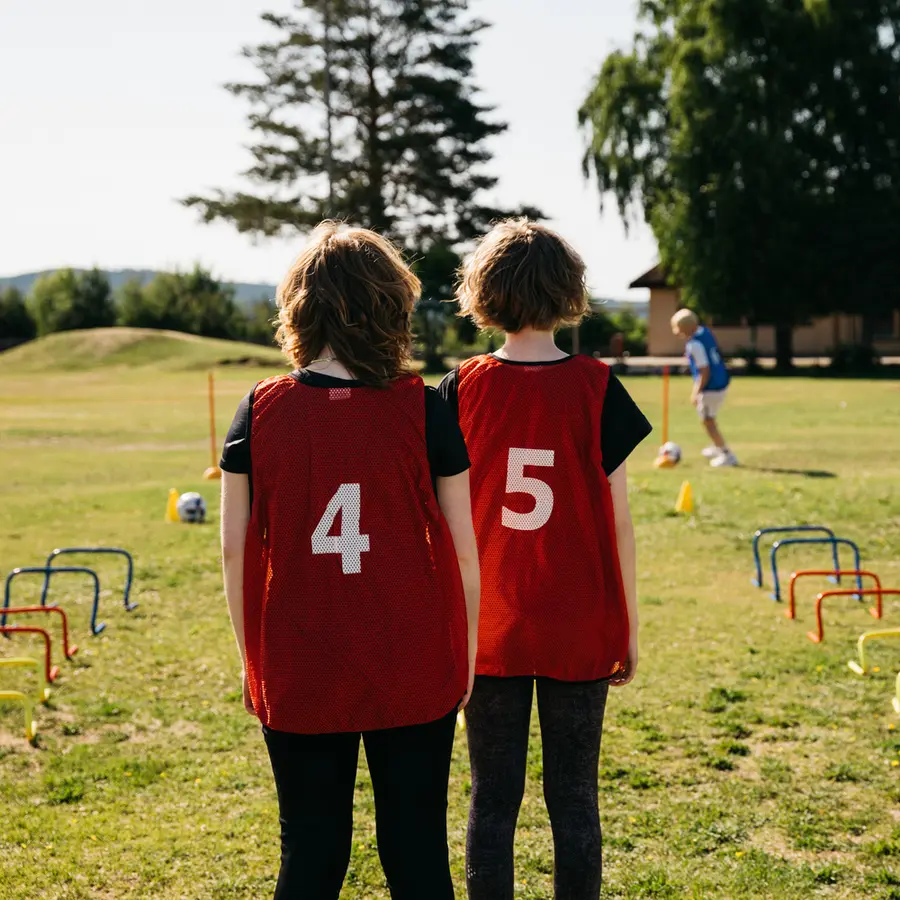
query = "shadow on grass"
{"x": 803, "y": 473}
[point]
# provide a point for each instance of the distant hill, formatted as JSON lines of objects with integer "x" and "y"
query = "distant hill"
{"x": 244, "y": 294}
{"x": 96, "y": 348}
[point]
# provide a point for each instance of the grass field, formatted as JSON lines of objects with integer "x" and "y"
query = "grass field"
{"x": 744, "y": 762}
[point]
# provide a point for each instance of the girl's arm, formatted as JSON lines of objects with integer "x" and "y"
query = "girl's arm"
{"x": 618, "y": 483}
{"x": 456, "y": 503}
{"x": 235, "y": 516}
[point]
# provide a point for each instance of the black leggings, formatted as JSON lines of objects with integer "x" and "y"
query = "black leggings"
{"x": 497, "y": 722}
{"x": 315, "y": 776}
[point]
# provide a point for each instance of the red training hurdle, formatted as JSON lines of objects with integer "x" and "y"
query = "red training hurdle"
{"x": 818, "y": 636}
{"x": 791, "y": 611}
{"x": 69, "y": 650}
{"x": 50, "y": 672}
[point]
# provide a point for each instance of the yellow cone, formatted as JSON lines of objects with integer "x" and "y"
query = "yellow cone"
{"x": 685, "y": 502}
{"x": 172, "y": 506}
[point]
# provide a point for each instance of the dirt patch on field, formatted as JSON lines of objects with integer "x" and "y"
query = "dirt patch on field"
{"x": 181, "y": 728}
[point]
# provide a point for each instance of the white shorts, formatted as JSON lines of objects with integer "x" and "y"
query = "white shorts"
{"x": 709, "y": 403}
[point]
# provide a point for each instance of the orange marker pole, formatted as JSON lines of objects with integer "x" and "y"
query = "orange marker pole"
{"x": 665, "y": 405}
{"x": 213, "y": 472}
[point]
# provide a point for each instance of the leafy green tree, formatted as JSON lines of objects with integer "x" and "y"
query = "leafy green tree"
{"x": 193, "y": 302}
{"x": 65, "y": 301}
{"x": 436, "y": 268}
{"x": 132, "y": 305}
{"x": 633, "y": 329}
{"x": 594, "y": 333}
{"x": 16, "y": 323}
{"x": 758, "y": 139}
{"x": 259, "y": 322}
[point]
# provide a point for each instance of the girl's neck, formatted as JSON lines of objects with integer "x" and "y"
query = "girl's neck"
{"x": 530, "y": 345}
{"x": 326, "y": 364}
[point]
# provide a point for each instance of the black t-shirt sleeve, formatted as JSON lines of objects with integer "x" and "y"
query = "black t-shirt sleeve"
{"x": 236, "y": 452}
{"x": 447, "y": 454}
{"x": 449, "y": 390}
{"x": 622, "y": 425}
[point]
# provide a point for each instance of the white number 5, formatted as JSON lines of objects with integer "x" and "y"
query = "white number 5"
{"x": 350, "y": 544}
{"x": 518, "y": 483}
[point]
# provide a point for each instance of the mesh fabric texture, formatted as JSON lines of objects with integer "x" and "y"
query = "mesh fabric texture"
{"x": 354, "y": 613}
{"x": 552, "y": 601}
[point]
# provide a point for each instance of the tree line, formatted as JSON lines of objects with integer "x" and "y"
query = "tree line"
{"x": 760, "y": 141}
{"x": 196, "y": 303}
{"x": 193, "y": 302}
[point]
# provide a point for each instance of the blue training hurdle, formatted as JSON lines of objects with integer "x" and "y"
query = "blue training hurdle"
{"x": 118, "y": 551}
{"x": 47, "y": 571}
{"x": 757, "y": 580}
{"x": 835, "y": 543}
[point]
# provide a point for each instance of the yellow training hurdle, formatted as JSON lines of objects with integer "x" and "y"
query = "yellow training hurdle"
{"x": 860, "y": 667}
{"x": 23, "y": 662}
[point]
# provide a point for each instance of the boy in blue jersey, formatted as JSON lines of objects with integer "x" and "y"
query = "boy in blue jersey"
{"x": 711, "y": 381}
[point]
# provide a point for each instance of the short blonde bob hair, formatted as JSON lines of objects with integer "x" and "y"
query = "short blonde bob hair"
{"x": 523, "y": 275}
{"x": 351, "y": 292}
{"x": 684, "y": 320}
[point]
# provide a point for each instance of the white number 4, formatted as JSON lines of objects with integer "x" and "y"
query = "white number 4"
{"x": 518, "y": 483}
{"x": 350, "y": 544}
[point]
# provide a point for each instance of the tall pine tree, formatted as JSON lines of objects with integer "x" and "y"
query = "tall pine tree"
{"x": 365, "y": 110}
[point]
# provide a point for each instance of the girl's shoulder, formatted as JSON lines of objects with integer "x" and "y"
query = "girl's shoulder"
{"x": 475, "y": 363}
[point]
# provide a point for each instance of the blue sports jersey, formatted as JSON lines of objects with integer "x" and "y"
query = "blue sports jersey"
{"x": 702, "y": 344}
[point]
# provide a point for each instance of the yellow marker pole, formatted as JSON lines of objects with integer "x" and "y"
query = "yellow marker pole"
{"x": 213, "y": 473}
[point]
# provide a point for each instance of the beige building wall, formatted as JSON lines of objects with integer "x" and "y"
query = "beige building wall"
{"x": 733, "y": 339}
{"x": 664, "y": 303}
{"x": 816, "y": 339}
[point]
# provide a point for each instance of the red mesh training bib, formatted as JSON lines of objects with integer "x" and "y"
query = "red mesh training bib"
{"x": 552, "y": 601}
{"x": 354, "y": 613}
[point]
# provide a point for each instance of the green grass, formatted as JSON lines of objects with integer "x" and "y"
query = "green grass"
{"x": 744, "y": 762}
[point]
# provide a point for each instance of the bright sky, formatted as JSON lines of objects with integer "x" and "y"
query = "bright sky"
{"x": 111, "y": 110}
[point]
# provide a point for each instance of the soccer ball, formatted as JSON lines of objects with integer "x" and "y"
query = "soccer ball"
{"x": 669, "y": 456}
{"x": 192, "y": 508}
{"x": 671, "y": 451}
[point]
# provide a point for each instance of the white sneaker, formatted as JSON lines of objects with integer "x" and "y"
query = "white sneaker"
{"x": 724, "y": 459}
{"x": 711, "y": 452}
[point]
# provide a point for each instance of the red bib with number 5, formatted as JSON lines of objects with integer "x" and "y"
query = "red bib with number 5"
{"x": 552, "y": 600}
{"x": 354, "y": 613}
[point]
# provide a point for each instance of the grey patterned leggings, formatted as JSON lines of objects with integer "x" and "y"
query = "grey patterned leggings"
{"x": 497, "y": 722}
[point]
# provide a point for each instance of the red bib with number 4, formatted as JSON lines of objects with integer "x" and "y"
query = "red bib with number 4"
{"x": 354, "y": 613}
{"x": 552, "y": 600}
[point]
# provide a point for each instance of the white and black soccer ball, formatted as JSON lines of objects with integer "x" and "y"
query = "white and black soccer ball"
{"x": 671, "y": 451}
{"x": 192, "y": 508}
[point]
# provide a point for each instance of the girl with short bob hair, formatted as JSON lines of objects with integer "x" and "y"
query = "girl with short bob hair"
{"x": 548, "y": 435}
{"x": 351, "y": 571}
